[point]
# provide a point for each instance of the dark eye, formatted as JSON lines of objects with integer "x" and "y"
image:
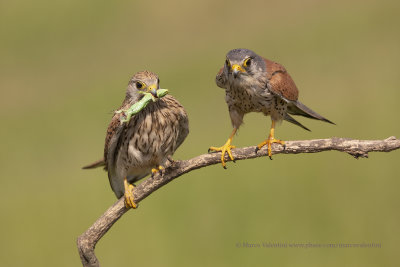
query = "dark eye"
{"x": 139, "y": 85}
{"x": 247, "y": 62}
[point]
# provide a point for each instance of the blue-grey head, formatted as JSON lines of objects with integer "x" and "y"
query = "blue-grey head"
{"x": 243, "y": 62}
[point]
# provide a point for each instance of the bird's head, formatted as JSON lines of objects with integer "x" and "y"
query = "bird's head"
{"x": 243, "y": 63}
{"x": 142, "y": 82}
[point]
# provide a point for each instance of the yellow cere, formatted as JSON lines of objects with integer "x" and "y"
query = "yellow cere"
{"x": 237, "y": 68}
{"x": 151, "y": 87}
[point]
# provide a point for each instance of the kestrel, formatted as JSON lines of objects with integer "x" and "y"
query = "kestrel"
{"x": 255, "y": 84}
{"x": 142, "y": 145}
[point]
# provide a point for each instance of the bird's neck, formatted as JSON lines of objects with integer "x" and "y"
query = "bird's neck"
{"x": 250, "y": 84}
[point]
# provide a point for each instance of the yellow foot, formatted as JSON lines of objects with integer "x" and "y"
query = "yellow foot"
{"x": 159, "y": 169}
{"x": 269, "y": 142}
{"x": 129, "y": 199}
{"x": 224, "y": 149}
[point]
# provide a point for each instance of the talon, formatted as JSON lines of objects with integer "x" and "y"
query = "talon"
{"x": 270, "y": 140}
{"x": 160, "y": 169}
{"x": 129, "y": 199}
{"x": 263, "y": 143}
{"x": 226, "y": 148}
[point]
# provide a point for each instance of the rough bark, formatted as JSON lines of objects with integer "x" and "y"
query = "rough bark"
{"x": 356, "y": 148}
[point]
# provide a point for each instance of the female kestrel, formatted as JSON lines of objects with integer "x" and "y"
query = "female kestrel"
{"x": 143, "y": 144}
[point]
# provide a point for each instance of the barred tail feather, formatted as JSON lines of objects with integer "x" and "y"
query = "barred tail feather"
{"x": 96, "y": 164}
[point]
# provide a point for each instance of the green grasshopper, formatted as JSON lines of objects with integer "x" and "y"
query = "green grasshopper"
{"x": 141, "y": 104}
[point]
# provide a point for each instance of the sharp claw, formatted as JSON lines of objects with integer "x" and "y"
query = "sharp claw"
{"x": 257, "y": 149}
{"x": 270, "y": 157}
{"x": 225, "y": 149}
{"x": 160, "y": 169}
{"x": 129, "y": 201}
{"x": 127, "y": 204}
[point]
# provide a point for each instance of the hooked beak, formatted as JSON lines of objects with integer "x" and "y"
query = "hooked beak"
{"x": 236, "y": 69}
{"x": 153, "y": 90}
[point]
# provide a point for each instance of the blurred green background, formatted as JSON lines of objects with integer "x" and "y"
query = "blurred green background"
{"x": 65, "y": 66}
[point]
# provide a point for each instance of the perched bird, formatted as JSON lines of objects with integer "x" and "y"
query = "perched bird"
{"x": 255, "y": 84}
{"x": 143, "y": 144}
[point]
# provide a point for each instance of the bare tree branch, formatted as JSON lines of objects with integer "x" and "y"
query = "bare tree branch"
{"x": 357, "y": 148}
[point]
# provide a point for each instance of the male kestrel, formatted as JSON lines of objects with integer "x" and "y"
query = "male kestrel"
{"x": 143, "y": 144}
{"x": 255, "y": 84}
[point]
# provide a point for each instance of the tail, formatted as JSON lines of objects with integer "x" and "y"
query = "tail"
{"x": 297, "y": 108}
{"x": 290, "y": 119}
{"x": 96, "y": 164}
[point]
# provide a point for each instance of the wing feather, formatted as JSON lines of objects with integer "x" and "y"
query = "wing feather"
{"x": 280, "y": 82}
{"x": 114, "y": 131}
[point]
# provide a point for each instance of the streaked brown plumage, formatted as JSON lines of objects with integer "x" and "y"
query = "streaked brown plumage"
{"x": 132, "y": 150}
{"x": 256, "y": 84}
